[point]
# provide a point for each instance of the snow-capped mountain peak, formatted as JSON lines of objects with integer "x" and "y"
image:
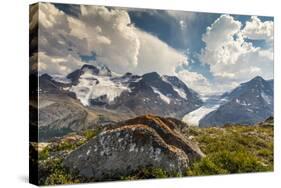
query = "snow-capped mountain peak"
{"x": 249, "y": 103}
{"x": 92, "y": 86}
{"x": 150, "y": 93}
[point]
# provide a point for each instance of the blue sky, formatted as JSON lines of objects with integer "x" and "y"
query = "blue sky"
{"x": 209, "y": 52}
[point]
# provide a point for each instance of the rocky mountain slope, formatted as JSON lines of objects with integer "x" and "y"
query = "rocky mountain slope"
{"x": 248, "y": 104}
{"x": 61, "y": 114}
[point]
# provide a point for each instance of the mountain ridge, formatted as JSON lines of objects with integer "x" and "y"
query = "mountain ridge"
{"x": 247, "y": 104}
{"x": 97, "y": 86}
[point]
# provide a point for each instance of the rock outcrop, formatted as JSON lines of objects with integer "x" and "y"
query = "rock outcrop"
{"x": 146, "y": 141}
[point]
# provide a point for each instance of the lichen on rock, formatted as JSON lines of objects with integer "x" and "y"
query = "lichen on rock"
{"x": 123, "y": 149}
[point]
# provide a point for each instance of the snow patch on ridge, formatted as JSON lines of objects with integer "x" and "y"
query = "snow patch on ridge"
{"x": 266, "y": 98}
{"x": 162, "y": 96}
{"x": 61, "y": 79}
{"x": 180, "y": 91}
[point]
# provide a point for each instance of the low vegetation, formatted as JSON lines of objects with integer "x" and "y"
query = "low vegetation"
{"x": 55, "y": 174}
{"x": 150, "y": 173}
{"x": 50, "y": 158}
{"x": 90, "y": 133}
{"x": 231, "y": 149}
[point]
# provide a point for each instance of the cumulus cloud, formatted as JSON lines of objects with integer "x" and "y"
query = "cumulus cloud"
{"x": 56, "y": 49}
{"x": 231, "y": 58}
{"x": 97, "y": 30}
{"x": 111, "y": 37}
{"x": 195, "y": 81}
{"x": 107, "y": 33}
{"x": 221, "y": 32}
{"x": 255, "y": 29}
{"x": 155, "y": 55}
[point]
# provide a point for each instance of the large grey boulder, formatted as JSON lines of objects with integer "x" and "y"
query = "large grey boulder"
{"x": 122, "y": 150}
{"x": 169, "y": 130}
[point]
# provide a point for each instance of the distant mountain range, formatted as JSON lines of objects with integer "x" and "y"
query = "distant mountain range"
{"x": 249, "y": 103}
{"x": 97, "y": 86}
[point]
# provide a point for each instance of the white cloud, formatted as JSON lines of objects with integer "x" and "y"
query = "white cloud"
{"x": 98, "y": 30}
{"x": 255, "y": 29}
{"x": 221, "y": 32}
{"x": 109, "y": 34}
{"x": 57, "y": 52}
{"x": 33, "y": 18}
{"x": 111, "y": 37}
{"x": 155, "y": 55}
{"x": 195, "y": 81}
{"x": 231, "y": 58}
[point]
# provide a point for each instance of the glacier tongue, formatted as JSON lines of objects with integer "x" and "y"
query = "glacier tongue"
{"x": 195, "y": 116}
{"x": 211, "y": 103}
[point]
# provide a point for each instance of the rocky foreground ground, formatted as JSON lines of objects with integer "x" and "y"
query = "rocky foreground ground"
{"x": 154, "y": 147}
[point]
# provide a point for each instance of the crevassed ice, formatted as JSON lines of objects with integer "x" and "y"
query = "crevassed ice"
{"x": 211, "y": 103}
{"x": 195, "y": 116}
{"x": 91, "y": 87}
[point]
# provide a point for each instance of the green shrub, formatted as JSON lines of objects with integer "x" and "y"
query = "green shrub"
{"x": 57, "y": 174}
{"x": 233, "y": 149}
{"x": 157, "y": 173}
{"x": 64, "y": 145}
{"x": 205, "y": 166}
{"x": 90, "y": 133}
{"x": 59, "y": 177}
{"x": 225, "y": 162}
{"x": 148, "y": 173}
{"x": 238, "y": 162}
{"x": 44, "y": 154}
